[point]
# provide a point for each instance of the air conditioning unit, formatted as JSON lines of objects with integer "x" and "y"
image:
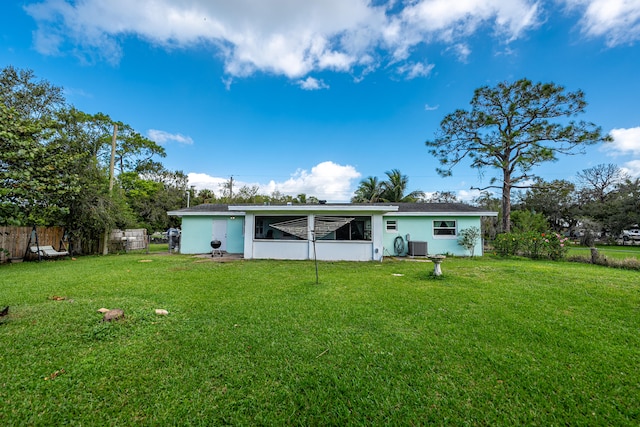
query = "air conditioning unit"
{"x": 417, "y": 248}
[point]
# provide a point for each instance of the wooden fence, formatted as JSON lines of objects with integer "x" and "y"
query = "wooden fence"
{"x": 16, "y": 240}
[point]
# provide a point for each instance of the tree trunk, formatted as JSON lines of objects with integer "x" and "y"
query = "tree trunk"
{"x": 506, "y": 201}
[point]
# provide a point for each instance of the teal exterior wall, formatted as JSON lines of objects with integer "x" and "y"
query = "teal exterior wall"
{"x": 420, "y": 228}
{"x": 197, "y": 234}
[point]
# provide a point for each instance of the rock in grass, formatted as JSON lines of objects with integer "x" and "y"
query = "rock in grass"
{"x": 161, "y": 312}
{"x": 103, "y": 310}
{"x": 114, "y": 314}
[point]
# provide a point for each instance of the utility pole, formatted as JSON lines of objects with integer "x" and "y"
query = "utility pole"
{"x": 107, "y": 232}
{"x": 189, "y": 191}
{"x": 231, "y": 189}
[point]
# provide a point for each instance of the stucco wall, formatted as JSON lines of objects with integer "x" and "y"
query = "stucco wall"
{"x": 280, "y": 249}
{"x": 421, "y": 229}
{"x": 197, "y": 234}
{"x": 351, "y": 251}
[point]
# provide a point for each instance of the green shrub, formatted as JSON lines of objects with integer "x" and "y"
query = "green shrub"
{"x": 531, "y": 244}
{"x": 469, "y": 238}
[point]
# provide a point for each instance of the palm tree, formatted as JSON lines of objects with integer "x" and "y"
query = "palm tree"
{"x": 393, "y": 189}
{"x": 369, "y": 191}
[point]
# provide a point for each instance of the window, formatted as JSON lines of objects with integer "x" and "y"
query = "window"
{"x": 444, "y": 228}
{"x": 392, "y": 225}
{"x": 281, "y": 228}
{"x": 344, "y": 228}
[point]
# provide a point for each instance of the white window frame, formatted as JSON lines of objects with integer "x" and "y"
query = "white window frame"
{"x": 439, "y": 227}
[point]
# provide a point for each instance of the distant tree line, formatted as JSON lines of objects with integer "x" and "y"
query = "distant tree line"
{"x": 246, "y": 194}
{"x": 54, "y": 166}
{"x": 602, "y": 202}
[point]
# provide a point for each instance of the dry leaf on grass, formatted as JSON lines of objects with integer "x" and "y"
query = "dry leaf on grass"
{"x": 55, "y": 374}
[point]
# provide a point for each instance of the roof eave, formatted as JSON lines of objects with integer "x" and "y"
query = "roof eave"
{"x": 446, "y": 213}
{"x": 203, "y": 213}
{"x": 314, "y": 208}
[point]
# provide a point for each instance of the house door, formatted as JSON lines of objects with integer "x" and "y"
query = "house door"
{"x": 220, "y": 232}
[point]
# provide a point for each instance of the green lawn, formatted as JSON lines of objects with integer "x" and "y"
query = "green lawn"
{"x": 492, "y": 342}
{"x": 618, "y": 252}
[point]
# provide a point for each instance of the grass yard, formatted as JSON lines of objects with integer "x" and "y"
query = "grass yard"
{"x": 492, "y": 342}
{"x": 618, "y": 252}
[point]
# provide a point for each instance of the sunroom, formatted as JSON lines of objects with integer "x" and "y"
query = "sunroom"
{"x": 332, "y": 232}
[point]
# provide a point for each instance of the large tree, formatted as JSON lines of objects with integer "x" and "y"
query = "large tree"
{"x": 54, "y": 163}
{"x": 36, "y": 176}
{"x": 556, "y": 200}
{"x": 369, "y": 191}
{"x": 28, "y": 96}
{"x": 625, "y": 206}
{"x": 36, "y": 179}
{"x": 619, "y": 208}
{"x": 152, "y": 194}
{"x": 598, "y": 189}
{"x": 394, "y": 188}
{"x": 514, "y": 127}
{"x": 597, "y": 182}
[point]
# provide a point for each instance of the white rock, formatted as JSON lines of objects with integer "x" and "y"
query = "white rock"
{"x": 115, "y": 314}
{"x": 161, "y": 312}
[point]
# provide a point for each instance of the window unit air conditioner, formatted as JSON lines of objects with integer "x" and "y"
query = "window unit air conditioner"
{"x": 417, "y": 248}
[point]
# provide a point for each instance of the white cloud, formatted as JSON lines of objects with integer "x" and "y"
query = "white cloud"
{"x": 451, "y": 21}
{"x": 625, "y": 141}
{"x": 428, "y": 107}
{"x": 413, "y": 70}
{"x": 278, "y": 36}
{"x": 632, "y": 168}
{"x": 467, "y": 195}
{"x": 202, "y": 181}
{"x": 295, "y": 38}
{"x": 282, "y": 37}
{"x": 327, "y": 181}
{"x": 162, "y": 137}
{"x": 227, "y": 82}
{"x": 618, "y": 21}
{"x": 461, "y": 51}
{"x": 311, "y": 83}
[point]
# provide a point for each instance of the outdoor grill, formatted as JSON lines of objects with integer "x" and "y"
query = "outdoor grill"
{"x": 215, "y": 247}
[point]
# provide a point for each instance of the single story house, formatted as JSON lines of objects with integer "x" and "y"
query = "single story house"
{"x": 332, "y": 231}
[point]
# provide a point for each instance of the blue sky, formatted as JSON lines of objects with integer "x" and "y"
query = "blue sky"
{"x": 313, "y": 96}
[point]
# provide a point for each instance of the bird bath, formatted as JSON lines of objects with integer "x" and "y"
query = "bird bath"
{"x": 437, "y": 260}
